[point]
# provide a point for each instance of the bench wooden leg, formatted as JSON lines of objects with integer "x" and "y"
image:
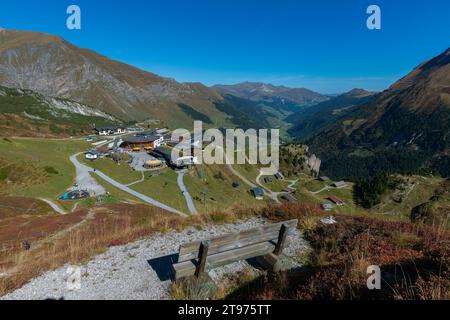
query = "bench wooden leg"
{"x": 281, "y": 240}
{"x": 269, "y": 262}
{"x": 203, "y": 253}
{"x": 272, "y": 261}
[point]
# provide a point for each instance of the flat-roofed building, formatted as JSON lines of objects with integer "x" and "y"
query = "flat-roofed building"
{"x": 141, "y": 141}
{"x": 336, "y": 201}
{"x": 340, "y": 184}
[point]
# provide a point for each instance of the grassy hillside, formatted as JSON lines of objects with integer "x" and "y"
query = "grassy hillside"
{"x": 307, "y": 122}
{"x": 36, "y": 167}
{"x": 404, "y": 130}
{"x": 211, "y": 188}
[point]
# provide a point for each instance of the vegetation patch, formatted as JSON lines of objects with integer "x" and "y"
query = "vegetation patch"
{"x": 414, "y": 262}
{"x": 195, "y": 114}
{"x": 50, "y": 170}
{"x": 369, "y": 191}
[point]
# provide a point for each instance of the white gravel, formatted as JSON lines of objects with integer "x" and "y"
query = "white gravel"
{"x": 124, "y": 273}
{"x": 84, "y": 179}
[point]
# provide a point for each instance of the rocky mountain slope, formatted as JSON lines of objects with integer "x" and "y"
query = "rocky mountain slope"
{"x": 53, "y": 67}
{"x": 405, "y": 128}
{"x": 24, "y": 112}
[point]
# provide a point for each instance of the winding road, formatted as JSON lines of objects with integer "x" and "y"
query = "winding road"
{"x": 86, "y": 182}
{"x": 138, "y": 195}
{"x": 185, "y": 192}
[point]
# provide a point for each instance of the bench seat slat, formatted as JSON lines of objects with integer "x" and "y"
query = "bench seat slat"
{"x": 228, "y": 242}
{"x": 187, "y": 268}
{"x": 238, "y": 243}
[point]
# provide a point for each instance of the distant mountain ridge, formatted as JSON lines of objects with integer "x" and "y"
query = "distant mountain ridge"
{"x": 308, "y": 122}
{"x": 406, "y": 128}
{"x": 256, "y": 91}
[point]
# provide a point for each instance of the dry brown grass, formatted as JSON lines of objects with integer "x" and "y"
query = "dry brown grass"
{"x": 414, "y": 261}
{"x": 80, "y": 240}
{"x": 77, "y": 237}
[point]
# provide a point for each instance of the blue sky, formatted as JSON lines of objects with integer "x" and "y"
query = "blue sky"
{"x": 323, "y": 45}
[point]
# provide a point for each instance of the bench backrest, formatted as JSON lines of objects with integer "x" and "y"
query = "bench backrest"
{"x": 269, "y": 232}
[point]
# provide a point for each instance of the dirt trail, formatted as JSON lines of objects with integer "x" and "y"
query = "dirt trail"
{"x": 54, "y": 206}
{"x": 60, "y": 234}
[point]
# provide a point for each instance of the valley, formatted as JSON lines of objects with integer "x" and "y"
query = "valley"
{"x": 87, "y": 174}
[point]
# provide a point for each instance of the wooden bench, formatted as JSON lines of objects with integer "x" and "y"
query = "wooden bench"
{"x": 265, "y": 243}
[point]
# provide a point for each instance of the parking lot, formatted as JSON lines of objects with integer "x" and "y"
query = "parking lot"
{"x": 139, "y": 159}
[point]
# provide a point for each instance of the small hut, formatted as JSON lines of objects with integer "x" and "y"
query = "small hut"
{"x": 258, "y": 193}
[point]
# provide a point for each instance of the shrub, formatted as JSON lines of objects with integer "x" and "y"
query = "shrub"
{"x": 51, "y": 170}
{"x": 414, "y": 261}
{"x": 306, "y": 213}
{"x": 219, "y": 176}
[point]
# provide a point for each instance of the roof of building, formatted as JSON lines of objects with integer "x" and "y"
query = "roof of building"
{"x": 288, "y": 197}
{"x": 103, "y": 149}
{"x": 327, "y": 206}
{"x": 279, "y": 175}
{"x": 109, "y": 128}
{"x": 258, "y": 191}
{"x": 178, "y": 144}
{"x": 335, "y": 199}
{"x": 165, "y": 152}
{"x": 146, "y": 133}
{"x": 153, "y": 162}
{"x": 140, "y": 139}
{"x": 162, "y": 130}
{"x": 340, "y": 183}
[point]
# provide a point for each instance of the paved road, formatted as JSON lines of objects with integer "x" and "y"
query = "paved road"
{"x": 138, "y": 195}
{"x": 185, "y": 192}
{"x": 84, "y": 180}
{"x": 292, "y": 184}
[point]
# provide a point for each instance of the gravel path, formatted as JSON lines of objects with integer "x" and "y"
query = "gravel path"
{"x": 139, "y": 270}
{"x": 84, "y": 179}
{"x": 54, "y": 206}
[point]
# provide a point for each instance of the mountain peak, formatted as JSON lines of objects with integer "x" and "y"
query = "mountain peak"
{"x": 51, "y": 66}
{"x": 359, "y": 93}
{"x": 435, "y": 73}
{"x": 258, "y": 91}
{"x": 15, "y": 38}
